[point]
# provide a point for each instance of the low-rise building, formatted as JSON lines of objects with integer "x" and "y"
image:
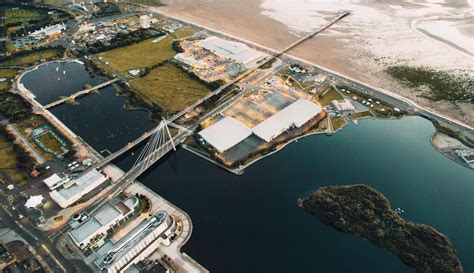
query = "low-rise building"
{"x": 137, "y": 245}
{"x": 77, "y": 188}
{"x": 343, "y": 105}
{"x": 89, "y": 231}
{"x": 56, "y": 180}
{"x": 48, "y": 31}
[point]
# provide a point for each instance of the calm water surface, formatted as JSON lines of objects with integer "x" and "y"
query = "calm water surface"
{"x": 251, "y": 223}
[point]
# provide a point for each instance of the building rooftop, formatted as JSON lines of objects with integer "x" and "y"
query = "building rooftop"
{"x": 236, "y": 51}
{"x": 134, "y": 237}
{"x": 85, "y": 230}
{"x": 79, "y": 187}
{"x": 107, "y": 214}
{"x": 225, "y": 133}
{"x": 296, "y": 114}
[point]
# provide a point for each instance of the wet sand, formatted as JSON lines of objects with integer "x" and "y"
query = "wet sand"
{"x": 361, "y": 46}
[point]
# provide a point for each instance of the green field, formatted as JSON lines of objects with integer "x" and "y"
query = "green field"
{"x": 8, "y": 74}
{"x": 169, "y": 87}
{"x": 33, "y": 57}
{"x": 15, "y": 15}
{"x": 144, "y": 54}
{"x": 26, "y": 127}
{"x": 9, "y": 161}
{"x": 328, "y": 95}
{"x": 337, "y": 123}
{"x": 360, "y": 115}
{"x": 49, "y": 141}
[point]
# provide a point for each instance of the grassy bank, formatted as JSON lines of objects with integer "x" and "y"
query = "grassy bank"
{"x": 328, "y": 95}
{"x": 436, "y": 85}
{"x": 168, "y": 87}
{"x": 337, "y": 123}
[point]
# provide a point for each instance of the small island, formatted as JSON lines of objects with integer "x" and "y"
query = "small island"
{"x": 361, "y": 210}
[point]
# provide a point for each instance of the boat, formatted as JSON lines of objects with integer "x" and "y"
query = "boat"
{"x": 64, "y": 72}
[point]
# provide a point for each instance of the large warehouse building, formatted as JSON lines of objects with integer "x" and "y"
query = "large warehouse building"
{"x": 236, "y": 51}
{"x": 229, "y": 132}
{"x": 225, "y": 133}
{"x": 296, "y": 114}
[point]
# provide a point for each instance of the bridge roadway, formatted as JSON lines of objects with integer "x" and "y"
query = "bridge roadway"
{"x": 132, "y": 144}
{"x": 80, "y": 93}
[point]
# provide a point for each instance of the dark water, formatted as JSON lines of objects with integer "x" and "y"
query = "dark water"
{"x": 48, "y": 84}
{"x": 251, "y": 223}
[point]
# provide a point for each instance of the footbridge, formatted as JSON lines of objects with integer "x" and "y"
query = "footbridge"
{"x": 80, "y": 93}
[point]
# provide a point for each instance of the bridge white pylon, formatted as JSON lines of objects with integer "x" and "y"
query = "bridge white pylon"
{"x": 157, "y": 146}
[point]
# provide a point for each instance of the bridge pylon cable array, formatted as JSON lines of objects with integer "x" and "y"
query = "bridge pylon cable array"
{"x": 157, "y": 146}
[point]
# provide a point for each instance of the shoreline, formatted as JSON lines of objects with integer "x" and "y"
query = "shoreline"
{"x": 262, "y": 47}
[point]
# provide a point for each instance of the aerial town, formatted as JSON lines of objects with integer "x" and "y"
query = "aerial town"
{"x": 98, "y": 99}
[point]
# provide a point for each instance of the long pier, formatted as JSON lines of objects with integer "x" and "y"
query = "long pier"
{"x": 341, "y": 15}
{"x": 132, "y": 144}
{"x": 80, "y": 93}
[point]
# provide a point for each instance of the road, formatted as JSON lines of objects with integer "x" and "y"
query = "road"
{"x": 42, "y": 245}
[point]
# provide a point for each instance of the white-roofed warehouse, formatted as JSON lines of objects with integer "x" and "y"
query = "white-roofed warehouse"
{"x": 225, "y": 133}
{"x": 296, "y": 114}
{"x": 236, "y": 51}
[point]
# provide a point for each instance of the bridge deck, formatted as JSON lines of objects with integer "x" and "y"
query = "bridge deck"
{"x": 79, "y": 93}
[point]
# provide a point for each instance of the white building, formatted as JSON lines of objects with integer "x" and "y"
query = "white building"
{"x": 48, "y": 31}
{"x": 344, "y": 105}
{"x": 190, "y": 61}
{"x": 238, "y": 52}
{"x": 145, "y": 21}
{"x": 296, "y": 114}
{"x": 225, "y": 133}
{"x": 90, "y": 231}
{"x": 77, "y": 188}
{"x": 137, "y": 245}
{"x": 34, "y": 202}
{"x": 56, "y": 180}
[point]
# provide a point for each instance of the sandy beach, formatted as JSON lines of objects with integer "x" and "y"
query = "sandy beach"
{"x": 376, "y": 35}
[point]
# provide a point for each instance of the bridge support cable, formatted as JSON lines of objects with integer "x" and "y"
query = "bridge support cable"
{"x": 159, "y": 143}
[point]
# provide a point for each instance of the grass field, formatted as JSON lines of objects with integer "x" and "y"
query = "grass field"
{"x": 328, "y": 95}
{"x": 337, "y": 123}
{"x": 31, "y": 58}
{"x": 360, "y": 115}
{"x": 20, "y": 15}
{"x": 9, "y": 162}
{"x": 7, "y": 74}
{"x": 144, "y": 54}
{"x": 169, "y": 87}
{"x": 5, "y": 85}
{"x": 26, "y": 127}
{"x": 49, "y": 141}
